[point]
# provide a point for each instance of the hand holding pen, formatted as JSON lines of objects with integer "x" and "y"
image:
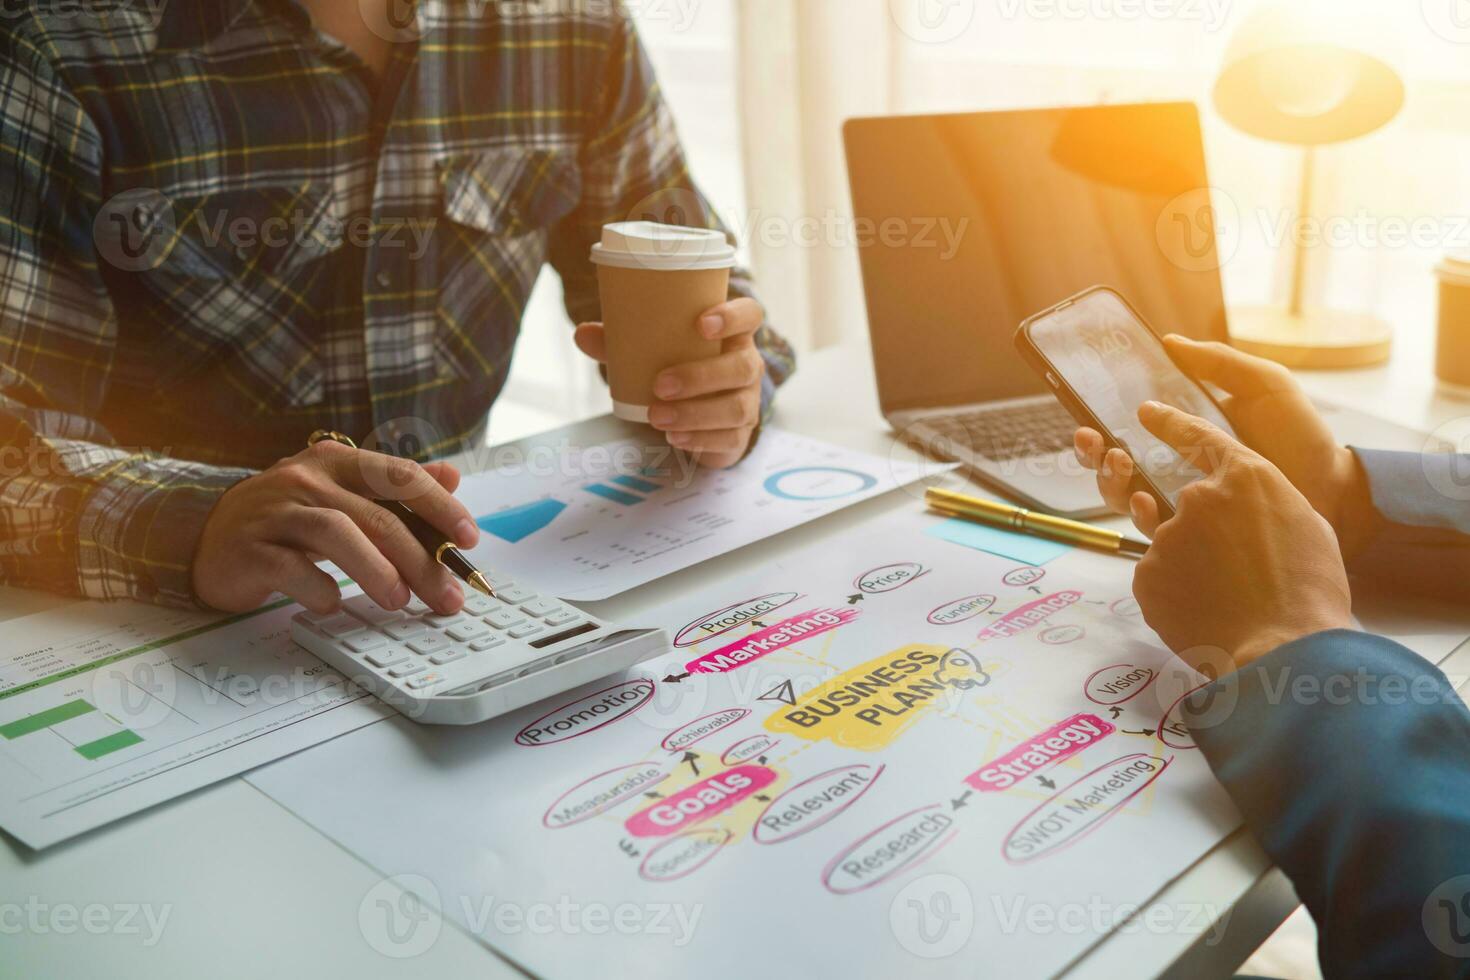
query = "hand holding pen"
{"x": 265, "y": 534}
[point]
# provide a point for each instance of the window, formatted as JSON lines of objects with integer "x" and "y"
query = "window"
{"x": 1387, "y": 206}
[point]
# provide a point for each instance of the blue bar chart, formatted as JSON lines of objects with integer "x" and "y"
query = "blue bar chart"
{"x": 519, "y": 523}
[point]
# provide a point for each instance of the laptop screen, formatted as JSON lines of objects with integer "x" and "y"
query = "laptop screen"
{"x": 969, "y": 224}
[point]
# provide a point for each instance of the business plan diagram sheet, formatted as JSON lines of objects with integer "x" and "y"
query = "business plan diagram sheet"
{"x": 887, "y": 755}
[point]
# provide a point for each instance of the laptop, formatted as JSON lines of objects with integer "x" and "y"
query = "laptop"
{"x": 969, "y": 224}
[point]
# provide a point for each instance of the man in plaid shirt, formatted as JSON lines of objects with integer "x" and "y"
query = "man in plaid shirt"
{"x": 227, "y": 223}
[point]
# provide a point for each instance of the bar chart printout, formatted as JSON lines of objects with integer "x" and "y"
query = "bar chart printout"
{"x": 108, "y": 709}
{"x": 607, "y": 518}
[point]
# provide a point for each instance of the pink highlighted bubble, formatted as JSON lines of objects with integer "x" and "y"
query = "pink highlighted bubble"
{"x": 789, "y": 632}
{"x": 1029, "y": 615}
{"x": 709, "y": 797}
{"x": 1061, "y": 741}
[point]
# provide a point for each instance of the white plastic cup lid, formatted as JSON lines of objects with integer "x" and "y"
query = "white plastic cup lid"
{"x": 649, "y": 245}
{"x": 1455, "y": 268}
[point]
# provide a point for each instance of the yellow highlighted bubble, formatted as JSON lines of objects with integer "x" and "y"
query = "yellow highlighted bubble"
{"x": 870, "y": 705}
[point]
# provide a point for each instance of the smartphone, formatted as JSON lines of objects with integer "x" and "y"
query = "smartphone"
{"x": 1103, "y": 361}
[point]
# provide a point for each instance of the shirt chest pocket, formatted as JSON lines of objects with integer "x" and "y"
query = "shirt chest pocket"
{"x": 498, "y": 208}
{"x": 237, "y": 290}
{"x": 510, "y": 192}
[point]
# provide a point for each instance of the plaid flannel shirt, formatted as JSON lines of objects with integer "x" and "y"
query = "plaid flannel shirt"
{"x": 218, "y": 232}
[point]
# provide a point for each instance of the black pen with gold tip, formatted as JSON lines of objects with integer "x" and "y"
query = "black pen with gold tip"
{"x": 444, "y": 552}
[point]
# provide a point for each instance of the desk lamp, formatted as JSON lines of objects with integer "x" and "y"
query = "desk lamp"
{"x": 1310, "y": 73}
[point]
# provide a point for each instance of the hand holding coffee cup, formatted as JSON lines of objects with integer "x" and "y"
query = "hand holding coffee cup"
{"x": 680, "y": 356}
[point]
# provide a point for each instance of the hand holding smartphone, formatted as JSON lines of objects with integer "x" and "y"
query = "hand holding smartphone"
{"x": 1103, "y": 361}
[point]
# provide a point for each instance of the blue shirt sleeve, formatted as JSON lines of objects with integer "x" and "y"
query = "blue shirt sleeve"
{"x": 1349, "y": 757}
{"x": 1422, "y": 544}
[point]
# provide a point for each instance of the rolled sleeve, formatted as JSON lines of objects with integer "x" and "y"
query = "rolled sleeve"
{"x": 140, "y": 526}
{"x": 79, "y": 514}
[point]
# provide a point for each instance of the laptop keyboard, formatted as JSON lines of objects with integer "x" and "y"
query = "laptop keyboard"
{"x": 1010, "y": 433}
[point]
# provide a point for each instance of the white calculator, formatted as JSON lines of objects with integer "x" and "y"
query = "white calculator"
{"x": 495, "y": 656}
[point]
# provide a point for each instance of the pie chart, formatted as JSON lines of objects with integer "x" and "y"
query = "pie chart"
{"x": 809, "y": 483}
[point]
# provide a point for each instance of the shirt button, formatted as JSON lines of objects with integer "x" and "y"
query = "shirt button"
{"x": 383, "y": 279}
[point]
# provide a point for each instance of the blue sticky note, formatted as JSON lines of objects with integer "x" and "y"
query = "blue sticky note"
{"x": 1007, "y": 544}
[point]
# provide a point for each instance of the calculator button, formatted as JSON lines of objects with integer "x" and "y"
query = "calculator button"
{"x": 365, "y": 641}
{"x": 499, "y": 581}
{"x": 429, "y": 643}
{"x": 405, "y": 629}
{"x": 561, "y": 617}
{"x": 505, "y": 618}
{"x": 468, "y": 630}
{"x": 541, "y": 607}
{"x": 388, "y": 657}
{"x": 425, "y": 680}
{"x": 442, "y": 622}
{"x": 478, "y": 605}
{"x": 515, "y": 595}
{"x": 528, "y": 629}
{"x": 340, "y": 625}
{"x": 487, "y": 643}
{"x": 447, "y": 657}
{"x": 416, "y": 606}
{"x": 370, "y": 612}
{"x": 406, "y": 670}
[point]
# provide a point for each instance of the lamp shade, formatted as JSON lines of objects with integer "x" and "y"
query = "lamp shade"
{"x": 1311, "y": 73}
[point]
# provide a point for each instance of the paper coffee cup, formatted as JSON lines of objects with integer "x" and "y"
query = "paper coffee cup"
{"x": 1453, "y": 363}
{"x": 656, "y": 280}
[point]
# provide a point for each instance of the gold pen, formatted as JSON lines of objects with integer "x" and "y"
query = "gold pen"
{"x": 444, "y": 552}
{"x": 1009, "y": 518}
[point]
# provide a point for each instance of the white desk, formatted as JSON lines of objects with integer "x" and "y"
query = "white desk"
{"x": 251, "y": 891}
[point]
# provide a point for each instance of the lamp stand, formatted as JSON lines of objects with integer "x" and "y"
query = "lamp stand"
{"x": 1312, "y": 339}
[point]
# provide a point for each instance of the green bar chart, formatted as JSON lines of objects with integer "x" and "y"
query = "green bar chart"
{"x": 56, "y": 719}
{"x": 65, "y": 711}
{"x": 108, "y": 744}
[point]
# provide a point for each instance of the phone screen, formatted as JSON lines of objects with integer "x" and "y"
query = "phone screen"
{"x": 1114, "y": 363}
